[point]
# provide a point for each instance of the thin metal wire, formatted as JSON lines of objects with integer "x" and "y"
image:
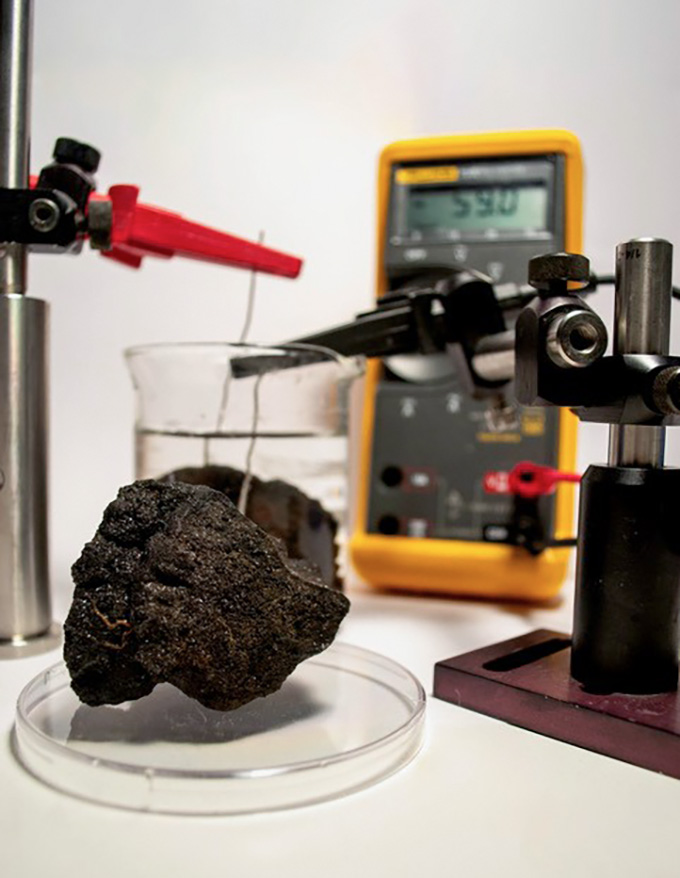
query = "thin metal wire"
{"x": 245, "y": 329}
{"x": 245, "y": 484}
{"x": 250, "y": 307}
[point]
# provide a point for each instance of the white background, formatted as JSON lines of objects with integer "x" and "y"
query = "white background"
{"x": 252, "y": 115}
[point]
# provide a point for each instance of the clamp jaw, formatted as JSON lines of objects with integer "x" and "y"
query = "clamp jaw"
{"x": 460, "y": 313}
{"x": 60, "y": 210}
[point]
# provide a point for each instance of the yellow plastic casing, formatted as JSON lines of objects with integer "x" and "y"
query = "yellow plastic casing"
{"x": 457, "y": 567}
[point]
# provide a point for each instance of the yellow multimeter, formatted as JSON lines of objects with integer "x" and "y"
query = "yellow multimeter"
{"x": 424, "y": 521}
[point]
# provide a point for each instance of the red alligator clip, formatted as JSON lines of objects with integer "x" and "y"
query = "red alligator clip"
{"x": 132, "y": 231}
{"x": 527, "y": 479}
{"x": 139, "y": 230}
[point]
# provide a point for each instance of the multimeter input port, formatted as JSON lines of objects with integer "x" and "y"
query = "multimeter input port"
{"x": 392, "y": 476}
{"x": 388, "y": 524}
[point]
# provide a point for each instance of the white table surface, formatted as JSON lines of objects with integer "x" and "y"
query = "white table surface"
{"x": 482, "y": 798}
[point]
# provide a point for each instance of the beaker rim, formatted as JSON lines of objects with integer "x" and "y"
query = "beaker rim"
{"x": 353, "y": 365}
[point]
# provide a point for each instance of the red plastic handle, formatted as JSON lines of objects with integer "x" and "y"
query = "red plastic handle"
{"x": 144, "y": 230}
{"x": 140, "y": 230}
{"x": 527, "y": 479}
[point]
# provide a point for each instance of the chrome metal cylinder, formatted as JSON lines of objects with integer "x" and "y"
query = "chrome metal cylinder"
{"x": 15, "y": 116}
{"x": 635, "y": 445}
{"x": 25, "y": 611}
{"x": 644, "y": 269}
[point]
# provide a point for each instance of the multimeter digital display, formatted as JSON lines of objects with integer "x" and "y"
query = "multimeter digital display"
{"x": 452, "y": 213}
{"x": 484, "y": 200}
{"x": 488, "y": 203}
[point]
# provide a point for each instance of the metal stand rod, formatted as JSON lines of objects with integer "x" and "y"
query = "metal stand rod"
{"x": 627, "y": 608}
{"x": 25, "y": 611}
{"x": 642, "y": 326}
{"x": 15, "y": 114}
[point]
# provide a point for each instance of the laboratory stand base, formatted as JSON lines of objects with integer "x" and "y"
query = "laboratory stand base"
{"x": 24, "y": 647}
{"x": 526, "y": 682}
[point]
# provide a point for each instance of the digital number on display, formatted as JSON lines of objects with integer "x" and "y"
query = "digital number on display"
{"x": 502, "y": 208}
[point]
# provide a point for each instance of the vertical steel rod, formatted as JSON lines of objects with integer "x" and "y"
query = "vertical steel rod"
{"x": 25, "y": 611}
{"x": 642, "y": 326}
{"x": 15, "y": 114}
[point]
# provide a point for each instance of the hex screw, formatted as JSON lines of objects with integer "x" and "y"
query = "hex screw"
{"x": 43, "y": 215}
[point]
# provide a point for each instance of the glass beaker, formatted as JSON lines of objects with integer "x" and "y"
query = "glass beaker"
{"x": 266, "y": 425}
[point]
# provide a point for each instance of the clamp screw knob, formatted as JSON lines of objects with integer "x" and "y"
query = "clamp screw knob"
{"x": 72, "y": 152}
{"x": 666, "y": 391}
{"x": 552, "y": 271}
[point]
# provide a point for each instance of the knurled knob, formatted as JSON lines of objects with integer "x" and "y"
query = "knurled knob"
{"x": 72, "y": 152}
{"x": 556, "y": 269}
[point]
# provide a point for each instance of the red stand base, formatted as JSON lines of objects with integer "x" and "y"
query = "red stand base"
{"x": 525, "y": 681}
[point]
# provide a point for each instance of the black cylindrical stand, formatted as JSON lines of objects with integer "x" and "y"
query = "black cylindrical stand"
{"x": 626, "y": 616}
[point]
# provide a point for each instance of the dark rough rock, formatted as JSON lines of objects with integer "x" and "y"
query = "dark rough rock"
{"x": 280, "y": 509}
{"x": 177, "y": 586}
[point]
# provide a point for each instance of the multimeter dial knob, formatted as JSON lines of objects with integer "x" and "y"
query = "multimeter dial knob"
{"x": 551, "y": 271}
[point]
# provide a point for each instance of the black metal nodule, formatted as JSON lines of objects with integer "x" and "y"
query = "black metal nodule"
{"x": 626, "y": 618}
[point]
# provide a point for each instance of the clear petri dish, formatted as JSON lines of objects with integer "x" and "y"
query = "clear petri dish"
{"x": 343, "y": 721}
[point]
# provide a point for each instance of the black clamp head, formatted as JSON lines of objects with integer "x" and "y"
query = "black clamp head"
{"x": 72, "y": 152}
{"x": 72, "y": 170}
{"x": 551, "y": 272}
{"x": 55, "y": 215}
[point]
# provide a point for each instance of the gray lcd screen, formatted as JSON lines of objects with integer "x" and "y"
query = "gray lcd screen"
{"x": 438, "y": 209}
